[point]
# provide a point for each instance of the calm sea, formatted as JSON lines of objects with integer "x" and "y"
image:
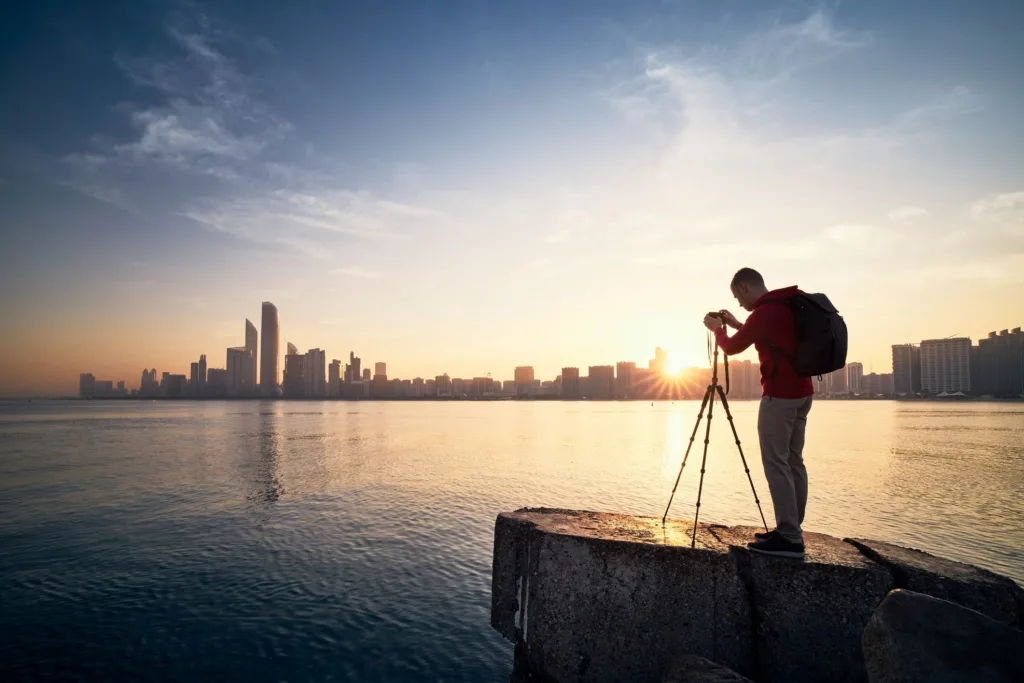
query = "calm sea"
{"x": 263, "y": 541}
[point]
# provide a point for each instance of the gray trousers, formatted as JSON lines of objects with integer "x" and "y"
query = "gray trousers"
{"x": 781, "y": 425}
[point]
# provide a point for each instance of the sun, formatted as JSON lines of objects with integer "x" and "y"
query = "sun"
{"x": 674, "y": 367}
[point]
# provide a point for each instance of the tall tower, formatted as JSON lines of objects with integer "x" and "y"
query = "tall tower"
{"x": 269, "y": 358}
{"x": 251, "y": 348}
{"x": 201, "y": 389}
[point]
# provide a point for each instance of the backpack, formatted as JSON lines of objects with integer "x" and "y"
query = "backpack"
{"x": 820, "y": 334}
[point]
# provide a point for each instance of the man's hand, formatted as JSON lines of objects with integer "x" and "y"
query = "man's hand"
{"x": 730, "y": 319}
{"x": 712, "y": 322}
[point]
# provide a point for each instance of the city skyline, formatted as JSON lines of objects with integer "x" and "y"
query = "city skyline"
{"x": 497, "y": 183}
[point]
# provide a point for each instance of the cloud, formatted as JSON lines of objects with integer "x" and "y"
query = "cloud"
{"x": 1006, "y": 207}
{"x": 958, "y": 101}
{"x": 356, "y": 271}
{"x": 906, "y": 214}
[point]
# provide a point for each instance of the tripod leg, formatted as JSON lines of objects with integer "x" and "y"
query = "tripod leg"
{"x": 700, "y": 416}
{"x": 703, "y": 462}
{"x": 728, "y": 413}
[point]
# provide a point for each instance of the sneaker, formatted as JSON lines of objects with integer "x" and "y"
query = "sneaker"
{"x": 777, "y": 545}
{"x": 765, "y": 535}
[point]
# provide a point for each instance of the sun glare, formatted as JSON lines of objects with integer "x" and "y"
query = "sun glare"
{"x": 674, "y": 367}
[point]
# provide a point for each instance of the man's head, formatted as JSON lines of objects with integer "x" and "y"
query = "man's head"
{"x": 747, "y": 286}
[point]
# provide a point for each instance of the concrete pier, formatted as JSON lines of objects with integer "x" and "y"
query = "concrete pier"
{"x": 590, "y": 596}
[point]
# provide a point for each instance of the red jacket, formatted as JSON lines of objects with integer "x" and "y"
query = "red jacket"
{"x": 771, "y": 321}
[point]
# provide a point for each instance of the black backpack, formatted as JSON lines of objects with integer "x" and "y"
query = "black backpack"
{"x": 820, "y": 334}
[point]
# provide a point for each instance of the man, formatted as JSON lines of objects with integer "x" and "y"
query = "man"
{"x": 785, "y": 402}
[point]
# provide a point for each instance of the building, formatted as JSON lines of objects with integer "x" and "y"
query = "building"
{"x": 419, "y": 388}
{"x": 624, "y": 376}
{"x": 443, "y": 385}
{"x": 999, "y": 364}
{"x": 270, "y": 353}
{"x": 837, "y": 382}
{"x": 334, "y": 379}
{"x": 314, "y": 377}
{"x": 86, "y": 385}
{"x": 524, "y": 380}
{"x": 294, "y": 383}
{"x": 150, "y": 385}
{"x": 571, "y": 383}
{"x": 744, "y": 380}
{"x": 945, "y": 365}
{"x": 906, "y": 369}
{"x": 174, "y": 386}
{"x": 366, "y": 375}
{"x": 874, "y": 385}
{"x": 238, "y": 366}
{"x": 352, "y": 371}
{"x": 380, "y": 386}
{"x": 216, "y": 383}
{"x": 660, "y": 361}
{"x": 380, "y": 368}
{"x": 855, "y": 377}
{"x": 482, "y": 386}
{"x": 601, "y": 381}
{"x": 201, "y": 389}
{"x": 193, "y": 382}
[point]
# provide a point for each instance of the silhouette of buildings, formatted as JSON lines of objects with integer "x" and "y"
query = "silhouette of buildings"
{"x": 945, "y": 365}
{"x": 216, "y": 384}
{"x": 571, "y": 383}
{"x": 906, "y": 369}
{"x": 86, "y": 385}
{"x": 855, "y": 377}
{"x": 875, "y": 385}
{"x": 334, "y": 379}
{"x": 366, "y": 374}
{"x": 294, "y": 382}
{"x": 380, "y": 368}
{"x": 524, "y": 380}
{"x": 600, "y": 382}
{"x": 150, "y": 385}
{"x": 625, "y": 379}
{"x": 270, "y": 331}
{"x": 239, "y": 364}
{"x": 315, "y": 382}
{"x": 998, "y": 364}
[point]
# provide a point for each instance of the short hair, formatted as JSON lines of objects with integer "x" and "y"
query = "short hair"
{"x": 747, "y": 276}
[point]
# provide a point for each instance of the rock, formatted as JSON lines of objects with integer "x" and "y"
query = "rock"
{"x": 601, "y": 597}
{"x": 695, "y": 669}
{"x": 809, "y": 614}
{"x": 995, "y": 596}
{"x": 916, "y": 638}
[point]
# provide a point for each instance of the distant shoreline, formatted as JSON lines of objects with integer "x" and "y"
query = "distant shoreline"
{"x": 489, "y": 399}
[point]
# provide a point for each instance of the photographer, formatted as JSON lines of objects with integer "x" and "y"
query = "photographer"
{"x": 785, "y": 402}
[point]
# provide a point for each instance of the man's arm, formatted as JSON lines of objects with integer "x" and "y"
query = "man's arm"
{"x": 748, "y": 333}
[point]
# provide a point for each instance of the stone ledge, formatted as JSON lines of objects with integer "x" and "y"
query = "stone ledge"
{"x": 993, "y": 595}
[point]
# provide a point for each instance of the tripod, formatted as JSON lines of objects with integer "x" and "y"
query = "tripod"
{"x": 709, "y": 403}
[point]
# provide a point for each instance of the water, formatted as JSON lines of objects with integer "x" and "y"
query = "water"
{"x": 352, "y": 541}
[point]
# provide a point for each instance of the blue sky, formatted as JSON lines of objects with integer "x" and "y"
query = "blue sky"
{"x": 468, "y": 186}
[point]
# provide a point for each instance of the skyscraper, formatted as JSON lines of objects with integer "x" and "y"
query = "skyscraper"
{"x": 601, "y": 381}
{"x": 855, "y": 377}
{"x": 906, "y": 369}
{"x": 269, "y": 355}
{"x": 571, "y": 383}
{"x": 239, "y": 364}
{"x": 624, "y": 379}
{"x": 315, "y": 382}
{"x": 294, "y": 384}
{"x": 201, "y": 389}
{"x": 946, "y": 365}
{"x": 380, "y": 369}
{"x": 334, "y": 379}
{"x": 251, "y": 339}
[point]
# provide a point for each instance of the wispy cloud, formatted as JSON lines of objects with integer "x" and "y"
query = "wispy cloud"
{"x": 356, "y": 271}
{"x": 958, "y": 101}
{"x": 906, "y": 214}
{"x": 1005, "y": 207}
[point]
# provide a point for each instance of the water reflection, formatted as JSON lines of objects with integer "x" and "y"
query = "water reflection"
{"x": 264, "y": 484}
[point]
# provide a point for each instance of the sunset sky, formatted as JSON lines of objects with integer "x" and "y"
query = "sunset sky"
{"x": 463, "y": 187}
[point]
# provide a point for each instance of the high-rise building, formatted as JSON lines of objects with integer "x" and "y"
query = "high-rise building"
{"x": 443, "y": 385}
{"x": 524, "y": 380}
{"x": 945, "y": 365}
{"x": 352, "y": 371}
{"x": 837, "y": 382}
{"x": 999, "y": 364}
{"x": 744, "y": 379}
{"x": 906, "y": 369}
{"x": 366, "y": 374}
{"x": 334, "y": 379}
{"x": 571, "y": 383}
{"x": 216, "y": 383}
{"x": 854, "y": 378}
{"x": 150, "y": 385}
{"x": 291, "y": 349}
{"x": 660, "y": 361}
{"x": 380, "y": 386}
{"x": 86, "y": 385}
{"x": 380, "y": 369}
{"x": 874, "y": 385}
{"x": 239, "y": 363}
{"x": 601, "y": 381}
{"x": 314, "y": 380}
{"x": 624, "y": 372}
{"x": 270, "y": 353}
{"x": 193, "y": 381}
{"x": 294, "y": 383}
{"x": 201, "y": 390}
{"x": 251, "y": 345}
